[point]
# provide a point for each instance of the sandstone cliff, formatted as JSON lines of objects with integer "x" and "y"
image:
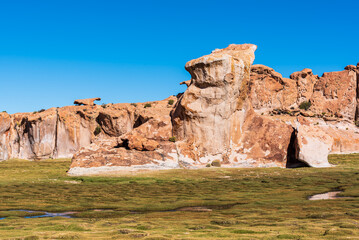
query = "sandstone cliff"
{"x": 239, "y": 115}
{"x": 61, "y": 132}
{"x": 232, "y": 114}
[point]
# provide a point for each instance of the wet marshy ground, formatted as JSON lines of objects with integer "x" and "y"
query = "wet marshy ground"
{"x": 108, "y": 212}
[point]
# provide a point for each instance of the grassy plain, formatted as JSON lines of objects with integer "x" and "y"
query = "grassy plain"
{"x": 266, "y": 203}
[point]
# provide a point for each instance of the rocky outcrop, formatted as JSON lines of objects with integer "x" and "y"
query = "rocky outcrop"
{"x": 335, "y": 93}
{"x": 269, "y": 90}
{"x": 208, "y": 113}
{"x": 146, "y": 146}
{"x": 237, "y": 117}
{"x": 305, "y": 81}
{"x": 61, "y": 132}
{"x": 263, "y": 142}
{"x": 231, "y": 115}
{"x": 187, "y": 83}
{"x": 86, "y": 102}
{"x": 5, "y": 125}
{"x": 332, "y": 95}
{"x": 317, "y": 138}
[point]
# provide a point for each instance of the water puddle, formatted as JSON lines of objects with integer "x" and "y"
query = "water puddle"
{"x": 325, "y": 196}
{"x": 42, "y": 214}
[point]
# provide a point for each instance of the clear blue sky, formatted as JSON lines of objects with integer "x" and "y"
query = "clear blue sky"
{"x": 53, "y": 52}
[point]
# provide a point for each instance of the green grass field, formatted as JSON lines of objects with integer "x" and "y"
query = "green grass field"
{"x": 267, "y": 203}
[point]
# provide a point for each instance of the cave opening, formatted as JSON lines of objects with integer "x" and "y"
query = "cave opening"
{"x": 292, "y": 153}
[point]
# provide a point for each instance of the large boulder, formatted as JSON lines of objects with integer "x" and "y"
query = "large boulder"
{"x": 313, "y": 146}
{"x": 116, "y": 120}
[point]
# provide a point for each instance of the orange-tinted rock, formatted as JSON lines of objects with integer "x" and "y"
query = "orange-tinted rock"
{"x": 264, "y": 142}
{"x": 187, "y": 83}
{"x": 150, "y": 145}
{"x": 61, "y": 132}
{"x": 269, "y": 90}
{"x": 87, "y": 102}
{"x": 146, "y": 146}
{"x": 97, "y": 159}
{"x": 116, "y": 120}
{"x": 305, "y": 81}
{"x": 336, "y": 93}
{"x": 350, "y": 68}
{"x": 205, "y": 113}
{"x": 230, "y": 114}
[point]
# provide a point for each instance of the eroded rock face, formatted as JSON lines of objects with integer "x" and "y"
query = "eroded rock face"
{"x": 264, "y": 142}
{"x": 232, "y": 114}
{"x": 313, "y": 146}
{"x": 146, "y": 146}
{"x": 269, "y": 90}
{"x": 205, "y": 115}
{"x": 5, "y": 124}
{"x": 305, "y": 81}
{"x": 61, "y": 132}
{"x": 56, "y": 132}
{"x": 336, "y": 93}
{"x": 317, "y": 138}
{"x": 33, "y": 135}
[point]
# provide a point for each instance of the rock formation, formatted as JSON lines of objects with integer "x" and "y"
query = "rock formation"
{"x": 232, "y": 113}
{"x": 208, "y": 114}
{"x": 86, "y": 102}
{"x": 61, "y": 132}
{"x": 269, "y": 90}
